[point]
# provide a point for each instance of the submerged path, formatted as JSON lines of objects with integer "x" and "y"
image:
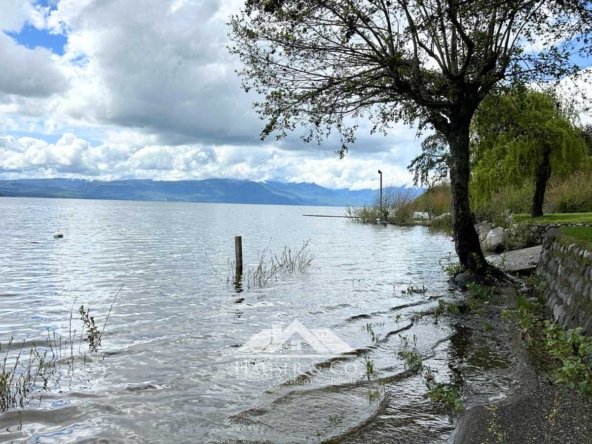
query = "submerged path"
{"x": 535, "y": 410}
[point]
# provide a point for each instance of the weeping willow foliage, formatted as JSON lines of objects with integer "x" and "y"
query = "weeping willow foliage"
{"x": 511, "y": 133}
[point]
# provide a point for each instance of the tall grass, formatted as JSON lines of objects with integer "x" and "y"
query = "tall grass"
{"x": 571, "y": 195}
{"x": 364, "y": 214}
{"x": 401, "y": 204}
{"x": 397, "y": 207}
{"x": 436, "y": 201}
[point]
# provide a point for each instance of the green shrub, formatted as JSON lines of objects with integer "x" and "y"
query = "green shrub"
{"x": 521, "y": 236}
{"x": 442, "y": 222}
{"x": 509, "y": 200}
{"x": 402, "y": 214}
{"x": 397, "y": 207}
{"x": 571, "y": 195}
{"x": 574, "y": 351}
{"x": 436, "y": 201}
{"x": 400, "y": 203}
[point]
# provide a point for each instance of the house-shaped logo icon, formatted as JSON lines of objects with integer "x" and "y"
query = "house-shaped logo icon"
{"x": 277, "y": 341}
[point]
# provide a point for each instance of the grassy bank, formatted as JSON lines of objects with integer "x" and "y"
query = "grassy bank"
{"x": 581, "y": 235}
{"x": 555, "y": 218}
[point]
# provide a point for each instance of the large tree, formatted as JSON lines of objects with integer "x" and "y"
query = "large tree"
{"x": 323, "y": 64}
{"x": 519, "y": 137}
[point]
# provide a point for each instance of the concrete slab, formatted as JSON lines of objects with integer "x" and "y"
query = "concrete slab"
{"x": 517, "y": 261}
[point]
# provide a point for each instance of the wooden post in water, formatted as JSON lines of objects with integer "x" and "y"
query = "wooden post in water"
{"x": 238, "y": 253}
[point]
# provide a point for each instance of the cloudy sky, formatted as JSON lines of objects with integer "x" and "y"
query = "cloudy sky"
{"x": 106, "y": 89}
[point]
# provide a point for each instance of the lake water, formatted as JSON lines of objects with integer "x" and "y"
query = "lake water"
{"x": 171, "y": 367}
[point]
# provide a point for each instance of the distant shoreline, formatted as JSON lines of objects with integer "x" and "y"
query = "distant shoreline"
{"x": 228, "y": 191}
{"x": 171, "y": 201}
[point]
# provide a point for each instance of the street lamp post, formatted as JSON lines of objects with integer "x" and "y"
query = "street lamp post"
{"x": 380, "y": 173}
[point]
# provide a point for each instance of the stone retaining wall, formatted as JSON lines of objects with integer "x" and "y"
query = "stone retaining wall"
{"x": 566, "y": 268}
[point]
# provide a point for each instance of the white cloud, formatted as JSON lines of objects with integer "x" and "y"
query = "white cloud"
{"x": 577, "y": 94}
{"x": 27, "y": 154}
{"x": 150, "y": 92}
{"x": 166, "y": 70}
{"x": 28, "y": 72}
{"x": 133, "y": 155}
{"x": 15, "y": 13}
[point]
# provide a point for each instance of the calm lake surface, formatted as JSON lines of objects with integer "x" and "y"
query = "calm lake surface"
{"x": 171, "y": 367}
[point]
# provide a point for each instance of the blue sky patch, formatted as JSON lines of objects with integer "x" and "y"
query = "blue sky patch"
{"x": 92, "y": 138}
{"x": 49, "y": 138}
{"x": 32, "y": 37}
{"x": 51, "y": 4}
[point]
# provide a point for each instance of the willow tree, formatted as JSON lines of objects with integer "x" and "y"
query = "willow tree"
{"x": 325, "y": 64}
{"x": 522, "y": 137}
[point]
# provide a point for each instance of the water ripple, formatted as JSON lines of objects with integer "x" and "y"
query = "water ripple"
{"x": 169, "y": 368}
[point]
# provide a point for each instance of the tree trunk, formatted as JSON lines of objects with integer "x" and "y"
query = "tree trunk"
{"x": 466, "y": 240}
{"x": 542, "y": 174}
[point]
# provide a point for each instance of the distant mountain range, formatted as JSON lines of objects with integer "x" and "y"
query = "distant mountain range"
{"x": 209, "y": 190}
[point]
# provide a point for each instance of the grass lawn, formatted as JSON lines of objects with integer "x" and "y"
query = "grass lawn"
{"x": 583, "y": 235}
{"x": 557, "y": 218}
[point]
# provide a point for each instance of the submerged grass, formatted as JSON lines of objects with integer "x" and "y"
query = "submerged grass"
{"x": 445, "y": 395}
{"x": 368, "y": 366}
{"x": 272, "y": 266}
{"x": 413, "y": 360}
{"x": 28, "y": 369}
{"x": 27, "y": 372}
